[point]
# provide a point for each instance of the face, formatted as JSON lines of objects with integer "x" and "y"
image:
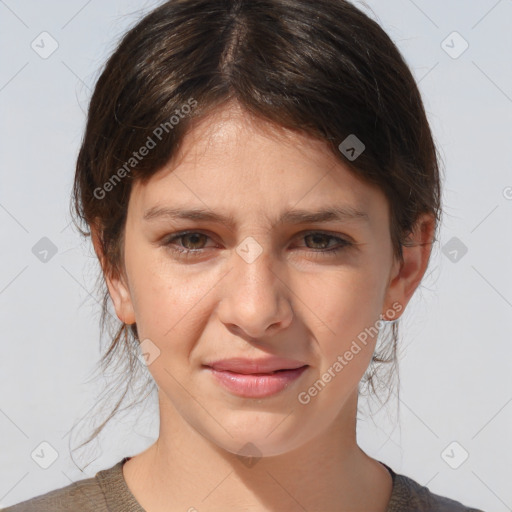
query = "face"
{"x": 271, "y": 284}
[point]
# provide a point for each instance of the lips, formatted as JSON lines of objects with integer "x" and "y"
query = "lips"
{"x": 248, "y": 378}
{"x": 265, "y": 366}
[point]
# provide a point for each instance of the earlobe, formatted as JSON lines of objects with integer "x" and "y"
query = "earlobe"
{"x": 416, "y": 254}
{"x": 117, "y": 288}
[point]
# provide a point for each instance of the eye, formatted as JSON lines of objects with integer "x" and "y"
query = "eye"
{"x": 323, "y": 239}
{"x": 324, "y": 245}
{"x": 190, "y": 244}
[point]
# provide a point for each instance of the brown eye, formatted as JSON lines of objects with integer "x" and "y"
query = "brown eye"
{"x": 321, "y": 242}
{"x": 318, "y": 240}
{"x": 191, "y": 241}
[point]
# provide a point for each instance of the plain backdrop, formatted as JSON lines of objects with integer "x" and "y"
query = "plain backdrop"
{"x": 453, "y": 432}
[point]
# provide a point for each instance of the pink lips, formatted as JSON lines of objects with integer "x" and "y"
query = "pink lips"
{"x": 256, "y": 378}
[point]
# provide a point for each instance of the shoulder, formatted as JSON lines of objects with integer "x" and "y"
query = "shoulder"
{"x": 410, "y": 495}
{"x": 87, "y": 495}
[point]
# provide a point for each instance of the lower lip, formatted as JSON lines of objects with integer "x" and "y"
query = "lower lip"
{"x": 256, "y": 385}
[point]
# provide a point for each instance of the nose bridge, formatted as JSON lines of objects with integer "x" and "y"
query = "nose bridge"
{"x": 255, "y": 297}
{"x": 254, "y": 270}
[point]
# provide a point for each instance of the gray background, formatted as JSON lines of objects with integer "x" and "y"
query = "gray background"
{"x": 456, "y": 383}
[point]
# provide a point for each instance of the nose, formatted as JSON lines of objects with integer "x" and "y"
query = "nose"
{"x": 255, "y": 300}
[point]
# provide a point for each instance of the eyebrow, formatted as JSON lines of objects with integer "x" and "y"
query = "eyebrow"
{"x": 326, "y": 214}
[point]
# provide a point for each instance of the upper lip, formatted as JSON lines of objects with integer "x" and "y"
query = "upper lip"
{"x": 263, "y": 365}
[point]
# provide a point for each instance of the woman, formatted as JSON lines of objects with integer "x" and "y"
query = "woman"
{"x": 262, "y": 191}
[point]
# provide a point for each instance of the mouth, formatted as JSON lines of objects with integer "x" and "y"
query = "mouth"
{"x": 256, "y": 384}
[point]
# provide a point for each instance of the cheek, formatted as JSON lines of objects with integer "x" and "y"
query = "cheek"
{"x": 346, "y": 311}
{"x": 165, "y": 297}
{"x": 345, "y": 299}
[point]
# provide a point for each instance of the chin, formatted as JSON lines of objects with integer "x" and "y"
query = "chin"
{"x": 251, "y": 438}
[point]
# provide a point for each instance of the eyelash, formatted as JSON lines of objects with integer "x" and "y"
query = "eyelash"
{"x": 191, "y": 253}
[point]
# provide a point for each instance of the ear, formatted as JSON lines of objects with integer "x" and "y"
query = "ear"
{"x": 117, "y": 285}
{"x": 406, "y": 277}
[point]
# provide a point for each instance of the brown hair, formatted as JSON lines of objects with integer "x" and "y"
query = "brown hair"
{"x": 319, "y": 67}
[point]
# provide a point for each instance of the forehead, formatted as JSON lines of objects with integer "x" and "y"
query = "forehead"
{"x": 233, "y": 160}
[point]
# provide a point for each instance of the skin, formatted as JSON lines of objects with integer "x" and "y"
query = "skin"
{"x": 291, "y": 301}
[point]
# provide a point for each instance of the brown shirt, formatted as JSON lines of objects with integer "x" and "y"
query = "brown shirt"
{"x": 108, "y": 492}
